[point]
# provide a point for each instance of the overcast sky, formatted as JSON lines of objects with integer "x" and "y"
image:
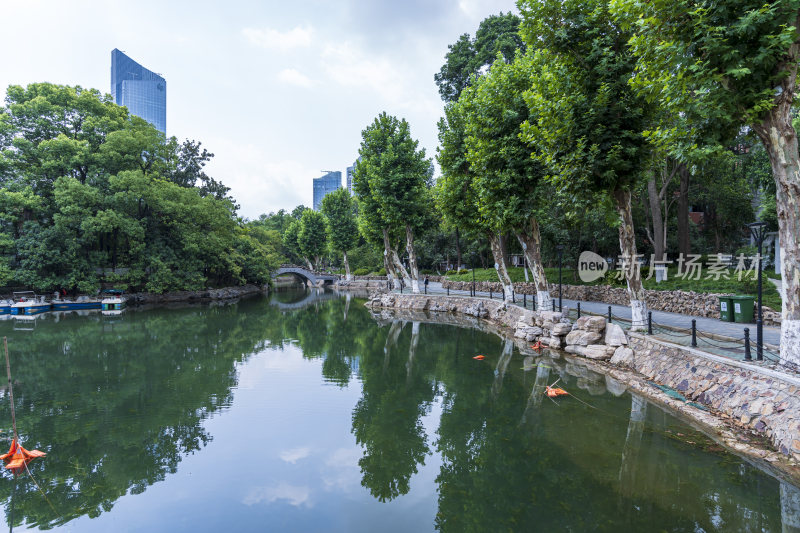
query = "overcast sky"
{"x": 277, "y": 90}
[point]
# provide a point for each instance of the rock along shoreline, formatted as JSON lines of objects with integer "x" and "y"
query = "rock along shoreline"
{"x": 754, "y": 412}
{"x": 225, "y": 293}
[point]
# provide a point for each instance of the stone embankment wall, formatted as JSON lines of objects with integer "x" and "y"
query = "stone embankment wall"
{"x": 141, "y": 298}
{"x": 683, "y": 302}
{"x": 761, "y": 400}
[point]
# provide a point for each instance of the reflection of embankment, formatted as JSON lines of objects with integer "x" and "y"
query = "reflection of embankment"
{"x": 651, "y": 456}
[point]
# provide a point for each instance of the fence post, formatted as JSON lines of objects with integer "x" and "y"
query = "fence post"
{"x": 448, "y": 290}
{"x": 525, "y": 300}
{"x": 513, "y": 297}
{"x": 649, "y": 322}
{"x": 533, "y": 303}
{"x": 554, "y": 305}
{"x": 503, "y": 292}
{"x": 490, "y": 293}
{"x": 694, "y": 332}
{"x": 609, "y": 314}
{"x": 579, "y": 309}
{"x": 747, "y": 355}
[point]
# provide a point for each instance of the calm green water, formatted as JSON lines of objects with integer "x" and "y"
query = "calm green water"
{"x": 306, "y": 414}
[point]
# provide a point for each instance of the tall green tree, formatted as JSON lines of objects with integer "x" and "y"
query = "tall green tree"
{"x": 393, "y": 175}
{"x": 339, "y": 210}
{"x": 589, "y": 122}
{"x": 312, "y": 237}
{"x": 724, "y": 65}
{"x": 509, "y": 182}
{"x": 456, "y": 194}
{"x": 467, "y": 57}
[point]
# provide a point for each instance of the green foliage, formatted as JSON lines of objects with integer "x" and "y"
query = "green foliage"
{"x": 90, "y": 194}
{"x": 589, "y": 122}
{"x": 311, "y": 237}
{"x": 339, "y": 210}
{"x": 361, "y": 272}
{"x": 507, "y": 179}
{"x": 497, "y": 34}
{"x": 391, "y": 181}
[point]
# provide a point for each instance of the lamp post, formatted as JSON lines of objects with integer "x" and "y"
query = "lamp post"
{"x": 472, "y": 255}
{"x": 560, "y": 251}
{"x": 757, "y": 230}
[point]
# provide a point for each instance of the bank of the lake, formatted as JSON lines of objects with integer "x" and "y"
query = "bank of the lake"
{"x": 752, "y": 410}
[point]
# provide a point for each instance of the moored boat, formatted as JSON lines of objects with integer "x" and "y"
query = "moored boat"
{"x": 5, "y": 306}
{"x": 113, "y": 300}
{"x": 29, "y": 303}
{"x": 82, "y": 302}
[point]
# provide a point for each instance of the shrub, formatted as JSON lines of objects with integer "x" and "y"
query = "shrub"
{"x": 361, "y": 272}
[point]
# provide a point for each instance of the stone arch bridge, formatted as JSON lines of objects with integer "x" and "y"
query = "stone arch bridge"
{"x": 306, "y": 275}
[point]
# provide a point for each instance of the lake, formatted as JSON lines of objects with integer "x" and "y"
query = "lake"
{"x": 303, "y": 412}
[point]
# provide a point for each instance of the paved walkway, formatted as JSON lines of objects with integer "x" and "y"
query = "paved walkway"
{"x": 622, "y": 315}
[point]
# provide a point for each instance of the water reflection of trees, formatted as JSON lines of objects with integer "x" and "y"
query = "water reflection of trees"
{"x": 514, "y": 460}
{"x": 118, "y": 402}
{"x": 123, "y": 402}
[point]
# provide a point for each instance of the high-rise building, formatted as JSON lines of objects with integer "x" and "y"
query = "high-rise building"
{"x": 350, "y": 171}
{"x": 325, "y": 184}
{"x": 143, "y": 92}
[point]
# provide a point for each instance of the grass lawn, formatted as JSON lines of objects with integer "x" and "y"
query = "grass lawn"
{"x": 747, "y": 285}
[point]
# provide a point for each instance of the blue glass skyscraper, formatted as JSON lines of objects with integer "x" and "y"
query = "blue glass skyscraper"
{"x": 143, "y": 92}
{"x": 322, "y": 186}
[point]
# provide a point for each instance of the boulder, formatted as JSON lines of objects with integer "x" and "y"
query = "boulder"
{"x": 555, "y": 342}
{"x": 615, "y": 335}
{"x": 583, "y": 338}
{"x": 623, "y": 356}
{"x": 595, "y": 323}
{"x": 551, "y": 316}
{"x": 561, "y": 329}
{"x": 598, "y": 351}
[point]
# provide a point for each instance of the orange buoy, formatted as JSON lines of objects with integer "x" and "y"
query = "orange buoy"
{"x": 480, "y": 357}
{"x": 553, "y": 392}
{"x": 17, "y": 456}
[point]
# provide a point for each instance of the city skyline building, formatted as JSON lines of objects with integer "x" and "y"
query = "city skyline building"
{"x": 142, "y": 91}
{"x": 329, "y": 182}
{"x": 350, "y": 171}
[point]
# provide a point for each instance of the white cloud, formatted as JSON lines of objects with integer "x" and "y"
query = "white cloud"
{"x": 298, "y": 37}
{"x": 297, "y": 496}
{"x": 294, "y": 77}
{"x": 294, "y": 455}
{"x": 349, "y": 66}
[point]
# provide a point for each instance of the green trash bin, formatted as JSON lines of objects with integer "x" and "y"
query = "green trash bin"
{"x": 725, "y": 309}
{"x": 742, "y": 308}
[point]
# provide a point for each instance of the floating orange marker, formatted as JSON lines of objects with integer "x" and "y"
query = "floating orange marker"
{"x": 552, "y": 392}
{"x": 17, "y": 457}
{"x": 538, "y": 346}
{"x": 480, "y": 357}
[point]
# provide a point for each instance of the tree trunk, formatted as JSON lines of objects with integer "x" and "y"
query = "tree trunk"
{"x": 780, "y": 140}
{"x": 388, "y": 261}
{"x": 684, "y": 247}
{"x": 398, "y": 266}
{"x": 412, "y": 350}
{"x": 458, "y": 251}
{"x": 308, "y": 263}
{"x": 500, "y": 266}
{"x": 347, "y": 274}
{"x": 531, "y": 241}
{"x": 627, "y": 246}
{"x": 412, "y": 260}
